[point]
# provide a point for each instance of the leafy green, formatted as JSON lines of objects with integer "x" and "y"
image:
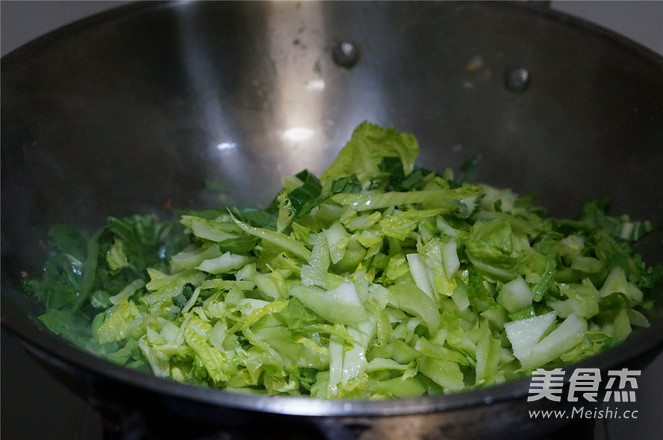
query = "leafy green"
{"x": 378, "y": 280}
{"x": 364, "y": 154}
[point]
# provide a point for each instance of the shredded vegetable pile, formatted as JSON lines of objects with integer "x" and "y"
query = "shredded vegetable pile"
{"x": 379, "y": 279}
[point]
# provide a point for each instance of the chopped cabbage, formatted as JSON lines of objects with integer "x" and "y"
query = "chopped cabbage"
{"x": 379, "y": 280}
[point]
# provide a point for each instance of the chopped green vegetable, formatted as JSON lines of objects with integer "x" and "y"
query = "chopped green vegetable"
{"x": 378, "y": 280}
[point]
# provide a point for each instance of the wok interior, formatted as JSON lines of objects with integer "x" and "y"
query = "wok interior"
{"x": 163, "y": 103}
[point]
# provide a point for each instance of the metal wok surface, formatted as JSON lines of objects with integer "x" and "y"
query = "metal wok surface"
{"x": 118, "y": 114}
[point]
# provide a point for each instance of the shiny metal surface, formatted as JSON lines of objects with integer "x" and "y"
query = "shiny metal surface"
{"x": 130, "y": 110}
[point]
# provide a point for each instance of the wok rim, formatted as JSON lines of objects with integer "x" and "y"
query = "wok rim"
{"x": 55, "y": 350}
{"x": 142, "y": 6}
{"x": 51, "y": 348}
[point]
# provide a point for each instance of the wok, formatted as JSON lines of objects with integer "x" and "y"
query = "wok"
{"x": 123, "y": 112}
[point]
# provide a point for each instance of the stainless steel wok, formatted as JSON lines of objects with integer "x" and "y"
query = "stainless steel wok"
{"x": 125, "y": 111}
